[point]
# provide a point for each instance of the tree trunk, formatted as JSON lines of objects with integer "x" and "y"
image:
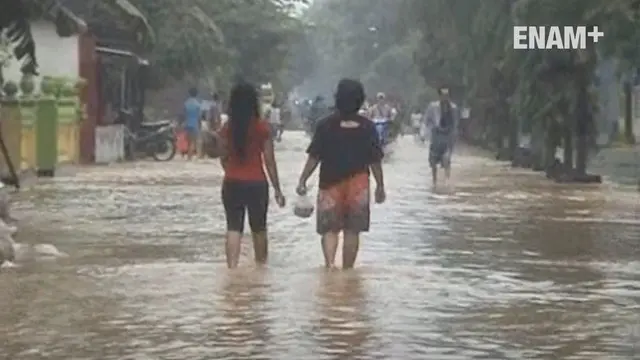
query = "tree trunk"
{"x": 501, "y": 133}
{"x": 567, "y": 144}
{"x": 583, "y": 117}
{"x": 514, "y": 136}
{"x": 549, "y": 149}
{"x": 629, "y": 136}
{"x": 537, "y": 147}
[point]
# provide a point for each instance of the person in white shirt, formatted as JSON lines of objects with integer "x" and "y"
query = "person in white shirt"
{"x": 416, "y": 123}
{"x": 442, "y": 118}
{"x": 275, "y": 120}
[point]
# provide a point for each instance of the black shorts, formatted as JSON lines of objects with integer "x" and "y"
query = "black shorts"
{"x": 440, "y": 151}
{"x": 239, "y": 197}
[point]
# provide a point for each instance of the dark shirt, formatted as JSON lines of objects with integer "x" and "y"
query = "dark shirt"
{"x": 344, "y": 152}
{"x": 446, "y": 118}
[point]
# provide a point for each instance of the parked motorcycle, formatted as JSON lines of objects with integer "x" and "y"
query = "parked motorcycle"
{"x": 382, "y": 126}
{"x": 154, "y": 139}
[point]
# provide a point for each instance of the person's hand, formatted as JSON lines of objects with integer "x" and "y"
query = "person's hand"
{"x": 301, "y": 189}
{"x": 280, "y": 199}
{"x": 380, "y": 195}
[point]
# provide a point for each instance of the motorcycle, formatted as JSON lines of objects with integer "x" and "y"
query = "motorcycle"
{"x": 154, "y": 139}
{"x": 382, "y": 126}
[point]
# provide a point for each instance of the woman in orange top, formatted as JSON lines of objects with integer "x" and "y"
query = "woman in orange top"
{"x": 247, "y": 149}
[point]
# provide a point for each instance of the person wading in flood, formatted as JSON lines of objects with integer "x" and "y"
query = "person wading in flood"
{"x": 192, "y": 112}
{"x": 442, "y": 118}
{"x": 245, "y": 142}
{"x": 346, "y": 146}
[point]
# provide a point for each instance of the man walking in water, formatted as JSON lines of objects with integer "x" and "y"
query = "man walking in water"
{"x": 442, "y": 118}
{"x": 346, "y": 147}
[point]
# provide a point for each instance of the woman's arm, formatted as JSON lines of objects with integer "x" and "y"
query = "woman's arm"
{"x": 270, "y": 164}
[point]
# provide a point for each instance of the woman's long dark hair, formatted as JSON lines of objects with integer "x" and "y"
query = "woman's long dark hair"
{"x": 244, "y": 107}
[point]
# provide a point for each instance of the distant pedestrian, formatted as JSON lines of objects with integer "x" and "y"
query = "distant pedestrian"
{"x": 192, "y": 111}
{"x": 347, "y": 148}
{"x": 275, "y": 120}
{"x": 245, "y": 141}
{"x": 442, "y": 118}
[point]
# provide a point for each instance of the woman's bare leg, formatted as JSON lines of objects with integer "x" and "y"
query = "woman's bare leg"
{"x": 232, "y": 248}
{"x": 260, "y": 247}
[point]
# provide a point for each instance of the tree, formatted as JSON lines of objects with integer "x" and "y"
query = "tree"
{"x": 546, "y": 94}
{"x": 364, "y": 39}
{"x": 467, "y": 45}
{"x": 217, "y": 40}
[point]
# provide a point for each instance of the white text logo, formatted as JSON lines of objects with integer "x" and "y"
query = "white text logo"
{"x": 554, "y": 37}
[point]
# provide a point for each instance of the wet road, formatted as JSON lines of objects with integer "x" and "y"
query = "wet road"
{"x": 500, "y": 266}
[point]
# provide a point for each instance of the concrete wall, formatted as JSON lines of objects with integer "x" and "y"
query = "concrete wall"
{"x": 109, "y": 146}
{"x": 57, "y": 56}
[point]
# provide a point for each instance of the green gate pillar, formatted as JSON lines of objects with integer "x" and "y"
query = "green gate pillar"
{"x": 28, "y": 140}
{"x": 11, "y": 132}
{"x": 46, "y": 137}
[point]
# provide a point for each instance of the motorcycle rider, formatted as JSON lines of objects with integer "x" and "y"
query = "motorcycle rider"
{"x": 381, "y": 111}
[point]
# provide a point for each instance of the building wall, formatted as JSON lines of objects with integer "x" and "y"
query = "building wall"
{"x": 57, "y": 56}
{"x": 88, "y": 96}
{"x": 72, "y": 57}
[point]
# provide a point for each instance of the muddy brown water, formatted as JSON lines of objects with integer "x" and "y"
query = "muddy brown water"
{"x": 501, "y": 265}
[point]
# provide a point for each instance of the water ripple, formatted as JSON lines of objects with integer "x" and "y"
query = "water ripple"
{"x": 501, "y": 264}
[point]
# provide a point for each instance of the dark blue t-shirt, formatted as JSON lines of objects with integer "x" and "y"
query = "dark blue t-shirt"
{"x": 344, "y": 152}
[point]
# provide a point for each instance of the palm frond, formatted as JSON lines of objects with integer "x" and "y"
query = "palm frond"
{"x": 14, "y": 24}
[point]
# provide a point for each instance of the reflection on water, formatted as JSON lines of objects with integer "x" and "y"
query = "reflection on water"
{"x": 244, "y": 331}
{"x": 342, "y": 327}
{"x": 501, "y": 265}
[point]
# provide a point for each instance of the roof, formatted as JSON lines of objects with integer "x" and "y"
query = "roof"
{"x": 113, "y": 18}
{"x": 53, "y": 10}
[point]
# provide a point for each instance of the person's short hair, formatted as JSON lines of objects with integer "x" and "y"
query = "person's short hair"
{"x": 349, "y": 96}
{"x": 381, "y": 96}
{"x": 193, "y": 92}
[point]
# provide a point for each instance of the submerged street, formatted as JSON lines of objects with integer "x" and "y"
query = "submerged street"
{"x": 502, "y": 265}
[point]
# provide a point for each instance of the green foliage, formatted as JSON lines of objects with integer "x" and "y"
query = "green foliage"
{"x": 469, "y": 45}
{"x": 217, "y": 40}
{"x": 364, "y": 39}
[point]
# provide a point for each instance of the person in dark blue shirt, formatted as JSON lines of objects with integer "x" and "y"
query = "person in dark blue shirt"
{"x": 346, "y": 147}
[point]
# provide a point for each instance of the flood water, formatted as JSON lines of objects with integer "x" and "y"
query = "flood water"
{"x": 501, "y": 265}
